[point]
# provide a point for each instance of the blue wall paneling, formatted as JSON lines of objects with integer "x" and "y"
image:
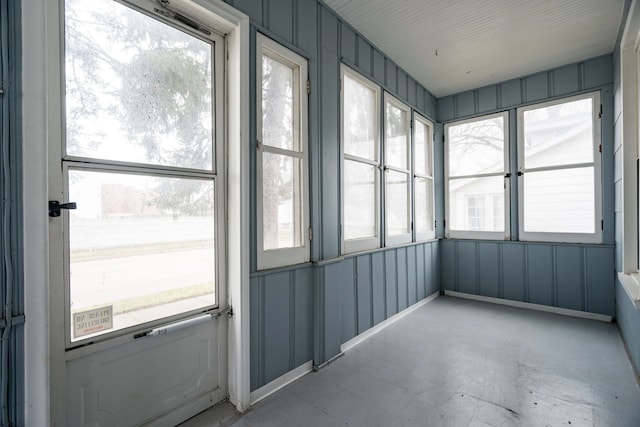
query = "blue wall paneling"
{"x": 572, "y": 276}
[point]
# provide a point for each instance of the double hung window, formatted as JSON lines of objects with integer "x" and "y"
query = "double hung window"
{"x": 477, "y": 164}
{"x": 397, "y": 143}
{"x": 360, "y": 163}
{"x": 282, "y": 156}
{"x": 423, "y": 178}
{"x": 559, "y": 170}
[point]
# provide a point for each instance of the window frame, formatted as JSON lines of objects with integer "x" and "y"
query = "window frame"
{"x": 373, "y": 242}
{"x": 402, "y": 238}
{"x": 417, "y": 117}
{"x": 272, "y": 258}
{"x": 215, "y": 174}
{"x": 505, "y": 173}
{"x": 536, "y": 236}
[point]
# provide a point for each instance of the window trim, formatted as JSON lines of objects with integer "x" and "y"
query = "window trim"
{"x": 273, "y": 258}
{"x": 472, "y": 234}
{"x": 402, "y": 238}
{"x": 366, "y": 243}
{"x": 417, "y": 117}
{"x": 535, "y": 236}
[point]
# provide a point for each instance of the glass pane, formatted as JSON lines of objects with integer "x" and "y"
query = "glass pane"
{"x": 397, "y": 137}
{"x": 561, "y": 134}
{"x": 277, "y": 105}
{"x": 359, "y": 119}
{"x": 560, "y": 201}
{"x": 422, "y": 149}
{"x": 137, "y": 90}
{"x": 359, "y": 200}
{"x": 281, "y": 210}
{"x": 141, "y": 248}
{"x": 424, "y": 200}
{"x": 476, "y": 204}
{"x": 476, "y": 147}
{"x": 397, "y": 193}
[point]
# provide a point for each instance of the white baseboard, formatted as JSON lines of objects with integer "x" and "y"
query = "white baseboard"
{"x": 280, "y": 382}
{"x": 531, "y": 306}
{"x": 380, "y": 326}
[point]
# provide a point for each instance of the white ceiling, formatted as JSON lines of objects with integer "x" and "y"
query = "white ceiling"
{"x": 456, "y": 45}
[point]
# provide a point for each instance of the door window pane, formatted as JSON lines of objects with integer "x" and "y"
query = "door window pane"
{"x": 137, "y": 90}
{"x": 397, "y": 203}
{"x": 359, "y": 200}
{"x": 560, "y": 134}
{"x": 359, "y": 119}
{"x": 396, "y": 137}
{"x": 141, "y": 248}
{"x": 277, "y": 105}
{"x": 281, "y": 201}
{"x": 476, "y": 204}
{"x": 559, "y": 201}
{"x": 476, "y": 147}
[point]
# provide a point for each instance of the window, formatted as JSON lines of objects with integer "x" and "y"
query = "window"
{"x": 423, "y": 178}
{"x": 360, "y": 163}
{"x": 476, "y": 164}
{"x": 397, "y": 143}
{"x": 559, "y": 170}
{"x": 142, "y": 159}
{"x": 281, "y": 161}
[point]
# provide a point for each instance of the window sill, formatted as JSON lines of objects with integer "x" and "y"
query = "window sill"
{"x": 631, "y": 284}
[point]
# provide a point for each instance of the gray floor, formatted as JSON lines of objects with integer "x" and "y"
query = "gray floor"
{"x": 456, "y": 362}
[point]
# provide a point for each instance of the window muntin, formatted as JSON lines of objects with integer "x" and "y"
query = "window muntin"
{"x": 558, "y": 146}
{"x": 423, "y": 178}
{"x": 360, "y": 162}
{"x": 397, "y": 158}
{"x": 140, "y": 162}
{"x": 476, "y": 165}
{"x": 282, "y": 172}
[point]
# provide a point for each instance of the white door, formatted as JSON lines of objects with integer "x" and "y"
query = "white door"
{"x": 137, "y": 216}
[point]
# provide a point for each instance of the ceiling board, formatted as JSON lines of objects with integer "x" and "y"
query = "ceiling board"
{"x": 452, "y": 46}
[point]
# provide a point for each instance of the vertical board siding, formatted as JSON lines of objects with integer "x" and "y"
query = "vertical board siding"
{"x": 600, "y": 280}
{"x": 448, "y": 265}
{"x": 489, "y": 269}
{"x": 401, "y": 274}
{"x": 330, "y": 157}
{"x": 281, "y": 19}
{"x": 378, "y": 288}
{"x": 276, "y": 326}
{"x": 569, "y": 277}
{"x": 590, "y": 74}
{"x": 364, "y": 302}
{"x": 348, "y": 44}
{"x": 466, "y": 270}
{"x": 391, "y": 282}
{"x": 303, "y": 316}
{"x": 577, "y": 277}
{"x": 540, "y": 282}
{"x": 513, "y": 273}
{"x": 364, "y": 56}
{"x": 348, "y": 301}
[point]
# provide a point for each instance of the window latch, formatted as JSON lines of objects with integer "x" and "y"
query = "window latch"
{"x": 507, "y": 175}
{"x": 55, "y": 206}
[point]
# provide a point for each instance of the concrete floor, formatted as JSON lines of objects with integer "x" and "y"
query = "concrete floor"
{"x": 456, "y": 362}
